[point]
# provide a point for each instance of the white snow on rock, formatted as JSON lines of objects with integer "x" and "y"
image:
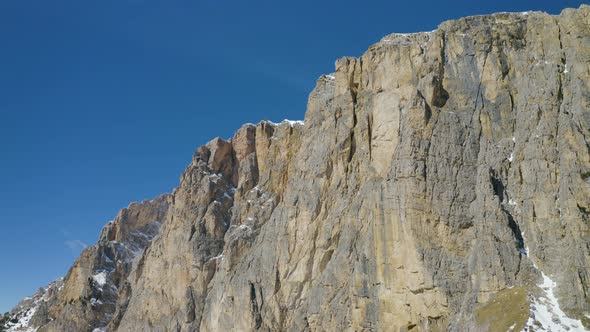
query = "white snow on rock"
{"x": 218, "y": 257}
{"x": 94, "y": 301}
{"x": 22, "y": 314}
{"x": 287, "y": 121}
{"x": 545, "y": 309}
{"x": 100, "y": 278}
{"x": 23, "y": 322}
{"x": 292, "y": 123}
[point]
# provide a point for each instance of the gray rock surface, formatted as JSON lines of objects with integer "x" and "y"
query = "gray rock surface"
{"x": 440, "y": 182}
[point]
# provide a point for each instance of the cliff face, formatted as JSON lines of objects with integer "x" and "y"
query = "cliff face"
{"x": 441, "y": 181}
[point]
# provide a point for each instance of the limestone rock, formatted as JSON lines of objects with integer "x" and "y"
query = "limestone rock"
{"x": 438, "y": 178}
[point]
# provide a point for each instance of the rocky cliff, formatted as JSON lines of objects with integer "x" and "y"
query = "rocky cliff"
{"x": 440, "y": 182}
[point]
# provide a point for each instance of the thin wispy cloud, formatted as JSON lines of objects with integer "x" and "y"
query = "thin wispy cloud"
{"x": 75, "y": 245}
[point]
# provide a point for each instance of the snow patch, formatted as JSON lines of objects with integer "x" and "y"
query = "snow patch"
{"x": 292, "y": 123}
{"x": 20, "y": 317}
{"x": 287, "y": 121}
{"x": 94, "y": 301}
{"x": 408, "y": 34}
{"x": 546, "y": 310}
{"x": 22, "y": 325}
{"x": 100, "y": 278}
{"x": 218, "y": 257}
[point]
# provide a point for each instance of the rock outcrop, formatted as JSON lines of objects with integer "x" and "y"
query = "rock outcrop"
{"x": 440, "y": 182}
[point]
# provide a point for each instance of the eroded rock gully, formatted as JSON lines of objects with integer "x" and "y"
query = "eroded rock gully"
{"x": 437, "y": 181}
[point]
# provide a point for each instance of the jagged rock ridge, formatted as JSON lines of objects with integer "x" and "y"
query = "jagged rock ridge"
{"x": 438, "y": 179}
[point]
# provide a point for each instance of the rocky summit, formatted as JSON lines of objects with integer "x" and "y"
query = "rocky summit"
{"x": 439, "y": 182}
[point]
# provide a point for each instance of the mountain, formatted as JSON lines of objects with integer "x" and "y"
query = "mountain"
{"x": 439, "y": 182}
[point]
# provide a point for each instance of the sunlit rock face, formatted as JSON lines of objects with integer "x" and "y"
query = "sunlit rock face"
{"x": 439, "y": 182}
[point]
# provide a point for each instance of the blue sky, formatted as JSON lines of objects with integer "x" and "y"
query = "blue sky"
{"x": 103, "y": 102}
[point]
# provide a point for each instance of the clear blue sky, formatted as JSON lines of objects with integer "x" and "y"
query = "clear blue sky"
{"x": 103, "y": 102}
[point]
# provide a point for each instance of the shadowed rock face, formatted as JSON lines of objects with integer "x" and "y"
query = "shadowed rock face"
{"x": 438, "y": 178}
